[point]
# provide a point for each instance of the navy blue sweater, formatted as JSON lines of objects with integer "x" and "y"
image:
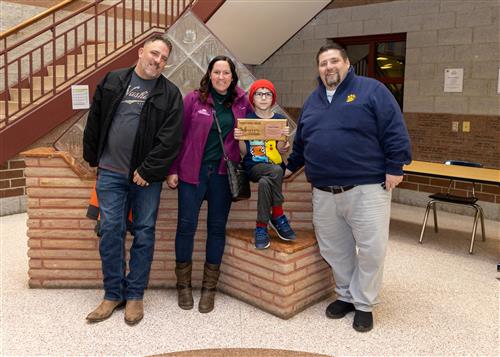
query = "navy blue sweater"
{"x": 356, "y": 139}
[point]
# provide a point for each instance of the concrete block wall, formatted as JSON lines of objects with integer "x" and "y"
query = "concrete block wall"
{"x": 440, "y": 34}
{"x": 14, "y": 13}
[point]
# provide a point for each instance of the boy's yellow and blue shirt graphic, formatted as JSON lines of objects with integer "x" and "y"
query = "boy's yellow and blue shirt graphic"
{"x": 264, "y": 151}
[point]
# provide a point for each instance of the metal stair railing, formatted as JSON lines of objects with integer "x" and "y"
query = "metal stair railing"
{"x": 63, "y": 44}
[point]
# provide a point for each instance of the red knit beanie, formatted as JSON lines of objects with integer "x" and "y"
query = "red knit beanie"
{"x": 262, "y": 83}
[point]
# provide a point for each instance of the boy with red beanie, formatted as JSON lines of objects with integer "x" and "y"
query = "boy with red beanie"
{"x": 263, "y": 162}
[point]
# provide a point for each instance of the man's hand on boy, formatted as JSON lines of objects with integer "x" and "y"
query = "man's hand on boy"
{"x": 283, "y": 146}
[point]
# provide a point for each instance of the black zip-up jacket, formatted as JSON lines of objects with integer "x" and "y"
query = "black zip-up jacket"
{"x": 159, "y": 135}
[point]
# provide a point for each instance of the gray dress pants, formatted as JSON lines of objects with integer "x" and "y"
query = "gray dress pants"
{"x": 352, "y": 229}
{"x": 270, "y": 179}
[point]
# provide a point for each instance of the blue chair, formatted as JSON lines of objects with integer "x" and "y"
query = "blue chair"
{"x": 448, "y": 198}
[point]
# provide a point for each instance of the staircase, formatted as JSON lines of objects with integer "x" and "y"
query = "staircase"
{"x": 75, "y": 65}
{"x": 77, "y": 47}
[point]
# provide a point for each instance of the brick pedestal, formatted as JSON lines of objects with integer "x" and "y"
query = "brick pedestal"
{"x": 282, "y": 280}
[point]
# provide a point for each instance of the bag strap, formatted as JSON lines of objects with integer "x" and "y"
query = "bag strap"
{"x": 226, "y": 158}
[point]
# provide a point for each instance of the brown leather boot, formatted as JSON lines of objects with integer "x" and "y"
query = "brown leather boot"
{"x": 134, "y": 312}
{"x": 184, "y": 289}
{"x": 210, "y": 278}
{"x": 104, "y": 310}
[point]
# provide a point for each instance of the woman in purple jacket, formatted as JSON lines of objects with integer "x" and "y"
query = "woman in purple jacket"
{"x": 200, "y": 174}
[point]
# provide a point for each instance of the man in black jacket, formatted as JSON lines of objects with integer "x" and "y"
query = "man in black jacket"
{"x": 133, "y": 135}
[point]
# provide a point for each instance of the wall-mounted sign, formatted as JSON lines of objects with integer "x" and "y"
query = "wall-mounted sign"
{"x": 80, "y": 97}
{"x": 498, "y": 85}
{"x": 453, "y": 80}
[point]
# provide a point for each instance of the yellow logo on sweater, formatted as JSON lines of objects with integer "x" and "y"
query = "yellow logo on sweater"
{"x": 350, "y": 98}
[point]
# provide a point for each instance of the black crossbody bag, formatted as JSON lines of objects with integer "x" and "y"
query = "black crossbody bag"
{"x": 237, "y": 176}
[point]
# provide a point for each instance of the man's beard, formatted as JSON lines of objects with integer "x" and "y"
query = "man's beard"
{"x": 151, "y": 70}
{"x": 332, "y": 79}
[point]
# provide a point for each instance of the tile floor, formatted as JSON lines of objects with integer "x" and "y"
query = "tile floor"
{"x": 436, "y": 300}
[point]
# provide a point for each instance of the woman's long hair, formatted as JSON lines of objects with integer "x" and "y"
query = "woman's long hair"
{"x": 206, "y": 83}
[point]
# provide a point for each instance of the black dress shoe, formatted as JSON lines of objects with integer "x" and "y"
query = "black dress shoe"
{"x": 338, "y": 309}
{"x": 363, "y": 321}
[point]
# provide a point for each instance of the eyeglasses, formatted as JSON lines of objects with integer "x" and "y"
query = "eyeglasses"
{"x": 263, "y": 95}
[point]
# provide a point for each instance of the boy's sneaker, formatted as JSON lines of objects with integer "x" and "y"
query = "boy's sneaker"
{"x": 261, "y": 238}
{"x": 282, "y": 228}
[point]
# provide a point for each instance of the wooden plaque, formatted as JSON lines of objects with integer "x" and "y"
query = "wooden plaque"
{"x": 262, "y": 129}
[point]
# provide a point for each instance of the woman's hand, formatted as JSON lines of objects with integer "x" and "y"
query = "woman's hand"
{"x": 173, "y": 181}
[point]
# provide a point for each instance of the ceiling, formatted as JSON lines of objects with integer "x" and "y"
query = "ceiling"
{"x": 254, "y": 29}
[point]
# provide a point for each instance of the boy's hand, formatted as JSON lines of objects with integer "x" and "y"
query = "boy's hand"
{"x": 172, "y": 181}
{"x": 238, "y": 133}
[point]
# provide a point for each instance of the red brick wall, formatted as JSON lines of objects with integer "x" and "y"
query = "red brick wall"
{"x": 487, "y": 193}
{"x": 12, "y": 181}
{"x": 63, "y": 245}
{"x": 432, "y": 138}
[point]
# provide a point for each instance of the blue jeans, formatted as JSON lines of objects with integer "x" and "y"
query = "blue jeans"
{"x": 215, "y": 189}
{"x": 117, "y": 195}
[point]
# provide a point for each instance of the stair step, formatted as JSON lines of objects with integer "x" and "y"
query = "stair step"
{"x": 47, "y": 82}
{"x": 70, "y": 59}
{"x": 25, "y": 94}
{"x": 13, "y": 106}
{"x": 60, "y": 70}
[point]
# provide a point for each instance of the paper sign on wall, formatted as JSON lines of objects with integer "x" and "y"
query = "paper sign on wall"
{"x": 498, "y": 85}
{"x": 453, "y": 80}
{"x": 80, "y": 97}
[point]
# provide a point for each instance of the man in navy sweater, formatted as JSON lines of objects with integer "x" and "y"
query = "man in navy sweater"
{"x": 352, "y": 140}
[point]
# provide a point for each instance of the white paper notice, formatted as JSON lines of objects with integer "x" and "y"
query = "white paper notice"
{"x": 498, "y": 85}
{"x": 80, "y": 97}
{"x": 454, "y": 80}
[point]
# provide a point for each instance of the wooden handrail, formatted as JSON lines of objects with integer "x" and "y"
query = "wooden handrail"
{"x": 53, "y": 25}
{"x": 36, "y": 18}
